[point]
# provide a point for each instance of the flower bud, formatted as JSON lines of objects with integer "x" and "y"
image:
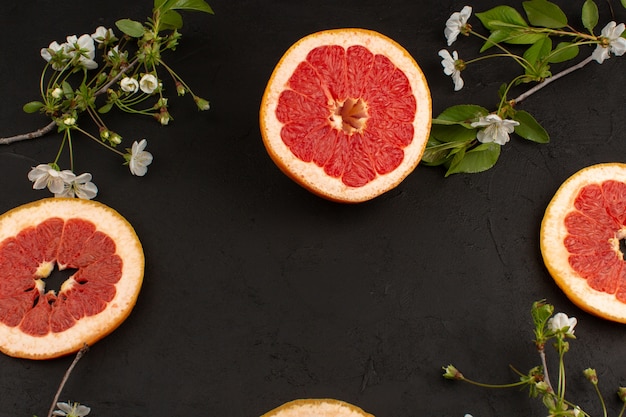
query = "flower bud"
{"x": 57, "y": 93}
{"x": 180, "y": 88}
{"x": 621, "y": 393}
{"x": 591, "y": 375}
{"x": 201, "y": 103}
{"x": 452, "y": 373}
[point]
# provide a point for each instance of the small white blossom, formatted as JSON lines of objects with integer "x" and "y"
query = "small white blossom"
{"x": 78, "y": 186}
{"x": 457, "y": 24}
{"x": 560, "y": 322}
{"x": 44, "y": 175}
{"x": 129, "y": 85}
{"x": 148, "y": 83}
{"x": 495, "y": 129}
{"x": 69, "y": 121}
{"x": 57, "y": 93}
{"x": 84, "y": 48}
{"x": 452, "y": 66}
{"x": 611, "y": 42}
{"x": 71, "y": 410}
{"x": 102, "y": 34}
{"x": 138, "y": 160}
{"x": 55, "y": 53}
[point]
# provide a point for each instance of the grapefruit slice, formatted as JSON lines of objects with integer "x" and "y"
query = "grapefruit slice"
{"x": 581, "y": 232}
{"x": 346, "y": 114}
{"x": 317, "y": 408}
{"x": 67, "y": 233}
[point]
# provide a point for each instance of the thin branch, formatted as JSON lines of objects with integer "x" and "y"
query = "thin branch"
{"x": 32, "y": 135}
{"x": 49, "y": 127}
{"x": 117, "y": 77}
{"x": 555, "y": 77}
{"x": 79, "y": 355}
{"x": 544, "y": 365}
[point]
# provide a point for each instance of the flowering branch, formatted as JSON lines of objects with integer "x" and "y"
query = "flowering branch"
{"x": 548, "y": 327}
{"x": 468, "y": 138}
{"x": 128, "y": 78}
{"x": 69, "y": 409}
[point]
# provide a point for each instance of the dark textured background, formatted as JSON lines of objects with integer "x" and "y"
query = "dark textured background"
{"x": 257, "y": 292}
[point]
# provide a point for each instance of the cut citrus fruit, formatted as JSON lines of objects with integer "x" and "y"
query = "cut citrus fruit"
{"x": 346, "y": 114}
{"x": 317, "y": 408}
{"x": 69, "y": 233}
{"x": 580, "y": 238}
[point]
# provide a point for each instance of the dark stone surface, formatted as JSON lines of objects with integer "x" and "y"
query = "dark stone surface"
{"x": 257, "y": 292}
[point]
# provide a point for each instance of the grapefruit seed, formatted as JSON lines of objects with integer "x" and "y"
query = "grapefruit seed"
{"x": 581, "y": 234}
{"x": 81, "y": 235}
{"x": 346, "y": 114}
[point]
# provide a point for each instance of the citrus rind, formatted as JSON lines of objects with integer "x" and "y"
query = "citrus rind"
{"x": 314, "y": 407}
{"x": 88, "y": 329}
{"x": 313, "y": 177}
{"x": 555, "y": 254}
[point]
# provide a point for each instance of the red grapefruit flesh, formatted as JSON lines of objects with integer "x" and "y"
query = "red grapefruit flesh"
{"x": 346, "y": 114}
{"x": 580, "y": 239}
{"x": 82, "y": 235}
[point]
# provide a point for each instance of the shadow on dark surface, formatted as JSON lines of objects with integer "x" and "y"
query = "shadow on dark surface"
{"x": 257, "y": 292}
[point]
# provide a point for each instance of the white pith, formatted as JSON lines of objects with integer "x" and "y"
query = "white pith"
{"x": 309, "y": 174}
{"x": 13, "y": 341}
{"x": 555, "y": 254}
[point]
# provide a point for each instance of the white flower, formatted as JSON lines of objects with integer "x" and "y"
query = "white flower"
{"x": 129, "y": 85}
{"x": 148, "y": 83}
{"x": 611, "y": 41}
{"x": 103, "y": 34}
{"x": 139, "y": 159}
{"x": 560, "y": 322}
{"x": 456, "y": 24}
{"x": 69, "y": 121}
{"x": 55, "y": 53}
{"x": 495, "y": 129}
{"x": 71, "y": 410}
{"x": 78, "y": 186}
{"x": 44, "y": 175}
{"x": 452, "y": 66}
{"x": 57, "y": 93}
{"x": 84, "y": 48}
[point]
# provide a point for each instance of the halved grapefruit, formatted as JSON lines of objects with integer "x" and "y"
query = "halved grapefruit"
{"x": 346, "y": 114}
{"x": 326, "y": 407}
{"x": 67, "y": 233}
{"x": 581, "y": 232}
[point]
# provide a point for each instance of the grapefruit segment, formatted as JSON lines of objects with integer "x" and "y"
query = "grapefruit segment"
{"x": 580, "y": 238}
{"x": 317, "y": 408}
{"x": 86, "y": 236}
{"x": 346, "y": 114}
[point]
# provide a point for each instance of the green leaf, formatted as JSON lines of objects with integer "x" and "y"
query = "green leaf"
{"x": 33, "y": 106}
{"x": 106, "y": 108}
{"x": 590, "y": 15}
{"x": 478, "y": 159}
{"x": 505, "y": 14}
{"x": 132, "y": 28}
{"x": 512, "y": 35}
{"x": 435, "y": 154}
{"x": 453, "y": 133}
{"x": 191, "y": 5}
{"x": 564, "y": 51}
{"x": 68, "y": 91}
{"x": 624, "y": 3}
{"x": 543, "y": 13}
{"x": 171, "y": 20}
{"x": 529, "y": 128}
{"x": 462, "y": 113}
{"x": 538, "y": 51}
